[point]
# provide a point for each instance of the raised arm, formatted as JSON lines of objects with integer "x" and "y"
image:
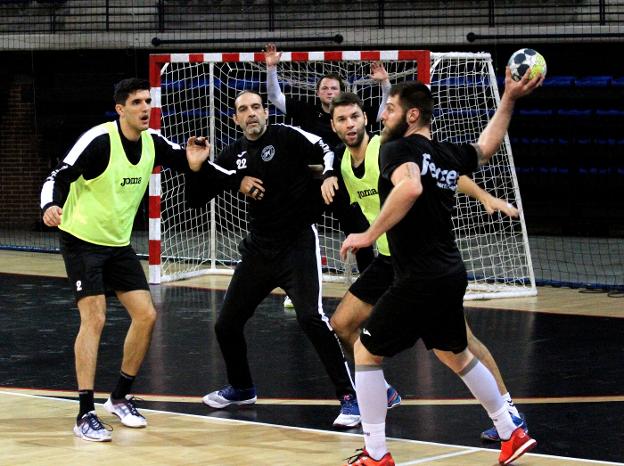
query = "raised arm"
{"x": 379, "y": 74}
{"x": 494, "y": 133}
{"x": 274, "y": 92}
{"x": 490, "y": 203}
{"x": 407, "y": 189}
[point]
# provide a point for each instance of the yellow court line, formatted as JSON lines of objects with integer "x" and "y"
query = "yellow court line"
{"x": 325, "y": 402}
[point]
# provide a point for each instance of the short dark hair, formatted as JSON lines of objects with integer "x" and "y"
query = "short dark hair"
{"x": 343, "y": 99}
{"x": 248, "y": 91}
{"x": 128, "y": 86}
{"x": 414, "y": 94}
{"x": 335, "y": 76}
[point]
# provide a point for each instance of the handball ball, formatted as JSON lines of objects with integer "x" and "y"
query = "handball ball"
{"x": 526, "y": 59}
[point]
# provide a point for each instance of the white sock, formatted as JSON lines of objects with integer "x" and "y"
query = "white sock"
{"x": 372, "y": 399}
{"x": 375, "y": 439}
{"x": 503, "y": 423}
{"x": 483, "y": 386}
{"x": 510, "y": 405}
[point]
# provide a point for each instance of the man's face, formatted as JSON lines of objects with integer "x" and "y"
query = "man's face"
{"x": 250, "y": 115}
{"x": 327, "y": 90}
{"x": 393, "y": 118}
{"x": 349, "y": 123}
{"x": 136, "y": 110}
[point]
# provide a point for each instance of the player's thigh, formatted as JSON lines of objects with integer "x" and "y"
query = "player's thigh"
{"x": 299, "y": 270}
{"x": 252, "y": 281}
{"x": 443, "y": 323}
{"x": 84, "y": 264}
{"x": 350, "y": 314}
{"x": 374, "y": 281}
{"x": 123, "y": 271}
{"x": 392, "y": 326}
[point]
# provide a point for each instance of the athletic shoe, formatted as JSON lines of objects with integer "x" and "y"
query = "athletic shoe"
{"x": 126, "y": 411}
{"x": 288, "y": 303}
{"x": 517, "y": 445}
{"x": 491, "y": 434}
{"x": 349, "y": 413}
{"x": 230, "y": 396}
{"x": 89, "y": 427}
{"x": 394, "y": 399}
{"x": 362, "y": 458}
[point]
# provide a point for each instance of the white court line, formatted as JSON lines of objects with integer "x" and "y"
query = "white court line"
{"x": 441, "y": 457}
{"x": 465, "y": 449}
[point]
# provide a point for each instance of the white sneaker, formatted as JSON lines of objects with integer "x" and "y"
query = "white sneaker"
{"x": 91, "y": 428}
{"x": 230, "y": 396}
{"x": 349, "y": 413}
{"x": 288, "y": 303}
{"x": 126, "y": 411}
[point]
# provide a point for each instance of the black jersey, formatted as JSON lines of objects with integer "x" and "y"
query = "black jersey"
{"x": 90, "y": 155}
{"x": 292, "y": 198}
{"x": 422, "y": 244}
{"x": 312, "y": 118}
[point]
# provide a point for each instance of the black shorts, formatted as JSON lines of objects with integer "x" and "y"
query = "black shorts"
{"x": 93, "y": 269}
{"x": 374, "y": 281}
{"x": 411, "y": 309}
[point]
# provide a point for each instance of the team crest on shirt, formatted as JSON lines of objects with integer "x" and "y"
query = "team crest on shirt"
{"x": 267, "y": 153}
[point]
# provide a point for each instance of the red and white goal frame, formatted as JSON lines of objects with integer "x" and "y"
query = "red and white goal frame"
{"x": 191, "y": 94}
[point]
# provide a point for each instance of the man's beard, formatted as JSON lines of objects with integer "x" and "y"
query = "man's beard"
{"x": 255, "y": 131}
{"x": 358, "y": 139}
{"x": 389, "y": 134}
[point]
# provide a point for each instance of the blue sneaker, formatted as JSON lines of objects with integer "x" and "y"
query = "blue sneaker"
{"x": 394, "y": 399}
{"x": 491, "y": 434}
{"x": 230, "y": 396}
{"x": 349, "y": 413}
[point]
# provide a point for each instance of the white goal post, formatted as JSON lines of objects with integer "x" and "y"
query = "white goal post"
{"x": 193, "y": 95}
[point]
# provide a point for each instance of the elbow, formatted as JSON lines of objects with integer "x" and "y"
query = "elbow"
{"x": 414, "y": 190}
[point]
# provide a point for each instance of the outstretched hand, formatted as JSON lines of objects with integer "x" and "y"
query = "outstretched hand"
{"x": 271, "y": 55}
{"x": 197, "y": 152}
{"x": 378, "y": 71}
{"x": 494, "y": 204}
{"x": 517, "y": 89}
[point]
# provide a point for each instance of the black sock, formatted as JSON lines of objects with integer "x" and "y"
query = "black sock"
{"x": 124, "y": 384}
{"x": 86, "y": 402}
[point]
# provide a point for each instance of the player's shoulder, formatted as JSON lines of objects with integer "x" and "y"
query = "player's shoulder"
{"x": 159, "y": 138}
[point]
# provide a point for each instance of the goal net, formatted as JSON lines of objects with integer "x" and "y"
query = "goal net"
{"x": 193, "y": 94}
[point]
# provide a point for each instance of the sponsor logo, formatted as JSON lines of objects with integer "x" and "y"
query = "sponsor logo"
{"x": 241, "y": 154}
{"x": 367, "y": 192}
{"x": 445, "y": 179}
{"x": 366, "y": 332}
{"x": 133, "y": 180}
{"x": 268, "y": 153}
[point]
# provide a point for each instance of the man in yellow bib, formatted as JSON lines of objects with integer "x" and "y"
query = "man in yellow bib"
{"x": 93, "y": 196}
{"x": 359, "y": 169}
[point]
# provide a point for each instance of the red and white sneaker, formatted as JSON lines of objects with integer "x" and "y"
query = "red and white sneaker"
{"x": 362, "y": 458}
{"x": 517, "y": 445}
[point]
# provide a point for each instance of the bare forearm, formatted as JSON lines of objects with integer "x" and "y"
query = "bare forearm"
{"x": 467, "y": 186}
{"x": 398, "y": 203}
{"x": 494, "y": 133}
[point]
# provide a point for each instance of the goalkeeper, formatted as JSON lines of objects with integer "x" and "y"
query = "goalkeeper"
{"x": 280, "y": 250}
{"x": 357, "y": 163}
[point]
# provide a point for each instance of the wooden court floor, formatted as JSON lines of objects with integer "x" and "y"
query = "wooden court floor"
{"x": 567, "y": 377}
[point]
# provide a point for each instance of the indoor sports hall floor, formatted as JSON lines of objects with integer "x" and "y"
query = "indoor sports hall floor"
{"x": 562, "y": 356}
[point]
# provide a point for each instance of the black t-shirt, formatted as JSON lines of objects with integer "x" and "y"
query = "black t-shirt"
{"x": 422, "y": 244}
{"x": 312, "y": 118}
{"x": 292, "y": 198}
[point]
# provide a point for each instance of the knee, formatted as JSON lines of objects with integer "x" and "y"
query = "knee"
{"x": 146, "y": 317}
{"x": 363, "y": 356}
